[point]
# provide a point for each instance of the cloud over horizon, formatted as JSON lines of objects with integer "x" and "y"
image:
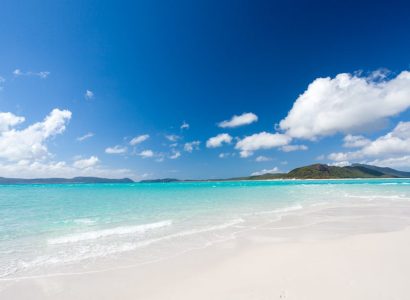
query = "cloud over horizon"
{"x": 346, "y": 104}
{"x": 30, "y": 143}
{"x": 393, "y": 147}
{"x": 24, "y": 152}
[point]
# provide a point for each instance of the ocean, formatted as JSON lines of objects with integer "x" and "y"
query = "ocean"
{"x": 74, "y": 228}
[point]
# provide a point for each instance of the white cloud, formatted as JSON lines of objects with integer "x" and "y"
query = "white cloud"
{"x": 172, "y": 137}
{"x": 86, "y": 162}
{"x": 236, "y": 121}
{"x": 116, "y": 150}
{"x": 85, "y": 136}
{"x": 29, "y": 143}
{"x": 17, "y": 72}
{"x": 393, "y": 162}
{"x": 146, "y": 154}
{"x": 42, "y": 169}
{"x": 42, "y": 75}
{"x": 184, "y": 125}
{"x": 189, "y": 147}
{"x": 340, "y": 164}
{"x": 391, "y": 148}
{"x": 355, "y": 141}
{"x": 8, "y": 120}
{"x": 175, "y": 154}
{"x": 343, "y": 156}
{"x": 139, "y": 139}
{"x": 262, "y": 158}
{"x": 89, "y": 95}
{"x": 262, "y": 140}
{"x": 290, "y": 148}
{"x": 347, "y": 104}
{"x": 218, "y": 140}
{"x": 24, "y": 152}
{"x": 266, "y": 171}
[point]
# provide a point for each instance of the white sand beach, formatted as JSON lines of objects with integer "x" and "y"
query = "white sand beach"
{"x": 366, "y": 266}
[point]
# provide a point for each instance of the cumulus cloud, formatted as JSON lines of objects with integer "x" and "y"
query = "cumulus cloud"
{"x": 86, "y": 162}
{"x": 189, "y": 147}
{"x": 30, "y": 143}
{"x": 175, "y": 154}
{"x": 236, "y": 121}
{"x": 290, "y": 148}
{"x": 262, "y": 158}
{"x": 47, "y": 169}
{"x": 184, "y": 126}
{"x": 340, "y": 164}
{"x": 225, "y": 154}
{"x": 266, "y": 171}
{"x": 42, "y": 75}
{"x": 219, "y": 140}
{"x": 355, "y": 141}
{"x": 24, "y": 153}
{"x": 139, "y": 139}
{"x": 172, "y": 137}
{"x": 392, "y": 147}
{"x": 346, "y": 104}
{"x": 85, "y": 136}
{"x": 401, "y": 161}
{"x": 89, "y": 95}
{"x": 262, "y": 140}
{"x": 146, "y": 154}
{"x": 8, "y": 120}
{"x": 117, "y": 149}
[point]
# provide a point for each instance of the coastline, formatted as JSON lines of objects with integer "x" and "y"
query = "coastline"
{"x": 219, "y": 241}
{"x": 342, "y": 268}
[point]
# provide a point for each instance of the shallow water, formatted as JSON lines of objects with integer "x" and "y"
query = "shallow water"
{"x": 46, "y": 229}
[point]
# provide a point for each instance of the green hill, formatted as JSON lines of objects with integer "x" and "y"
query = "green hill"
{"x": 322, "y": 171}
{"x": 315, "y": 171}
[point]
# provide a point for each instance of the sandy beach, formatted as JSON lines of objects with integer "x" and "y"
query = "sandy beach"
{"x": 366, "y": 266}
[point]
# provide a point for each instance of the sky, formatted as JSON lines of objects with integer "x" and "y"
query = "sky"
{"x": 201, "y": 89}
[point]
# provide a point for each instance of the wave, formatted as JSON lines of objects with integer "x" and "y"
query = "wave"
{"x": 82, "y": 252}
{"x": 96, "y": 234}
{"x": 192, "y": 232}
{"x": 84, "y": 221}
{"x": 276, "y": 211}
{"x": 375, "y": 197}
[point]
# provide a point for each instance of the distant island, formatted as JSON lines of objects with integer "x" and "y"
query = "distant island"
{"x": 316, "y": 171}
{"x": 4, "y": 180}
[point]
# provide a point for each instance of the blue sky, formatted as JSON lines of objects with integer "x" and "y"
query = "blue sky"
{"x": 114, "y": 71}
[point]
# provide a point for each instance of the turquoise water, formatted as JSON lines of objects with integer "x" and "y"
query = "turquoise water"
{"x": 54, "y": 228}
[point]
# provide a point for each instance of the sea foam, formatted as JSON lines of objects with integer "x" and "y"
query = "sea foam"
{"x": 96, "y": 234}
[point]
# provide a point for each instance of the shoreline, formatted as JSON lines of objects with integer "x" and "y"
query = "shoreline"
{"x": 364, "y": 266}
{"x": 233, "y": 243}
